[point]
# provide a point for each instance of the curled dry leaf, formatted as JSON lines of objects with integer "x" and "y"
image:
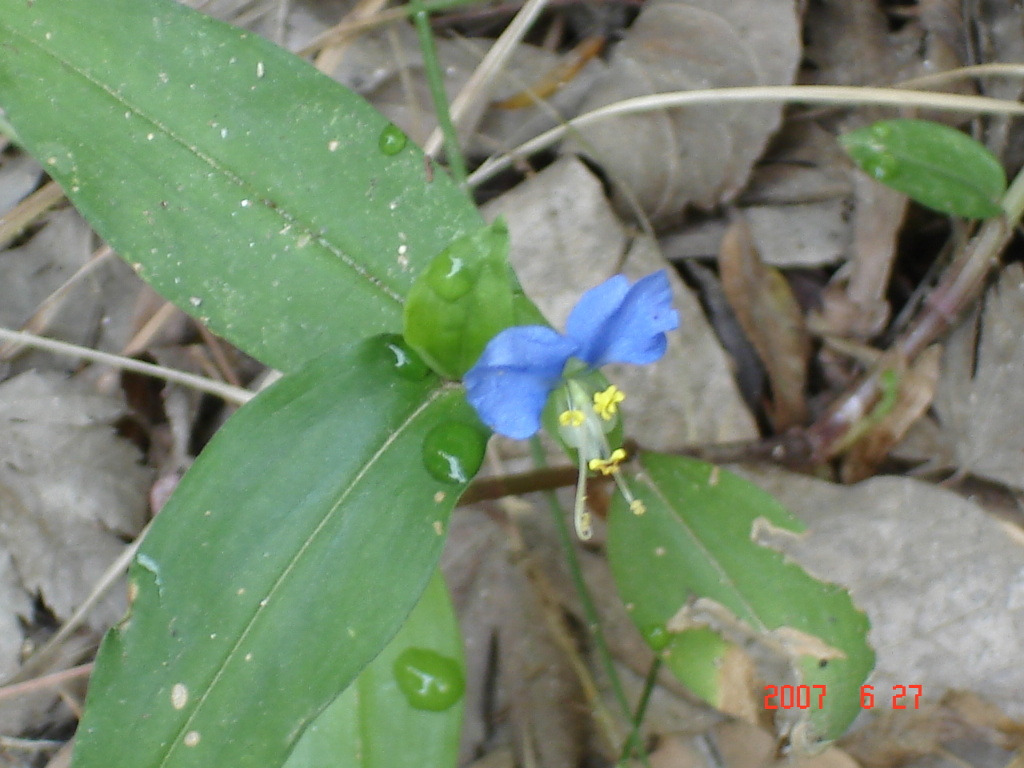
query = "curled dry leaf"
{"x": 771, "y": 318}
{"x": 667, "y": 160}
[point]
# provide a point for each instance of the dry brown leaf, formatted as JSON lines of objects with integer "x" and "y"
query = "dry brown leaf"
{"x": 668, "y": 160}
{"x": 997, "y": 28}
{"x": 15, "y": 608}
{"x": 71, "y": 490}
{"x": 30, "y": 272}
{"x": 796, "y": 202}
{"x": 772, "y": 320}
{"x": 565, "y": 240}
{"x": 387, "y": 69}
{"x": 851, "y": 44}
{"x": 742, "y": 745}
{"x": 737, "y": 744}
{"x": 19, "y": 176}
{"x": 915, "y": 394}
{"x": 676, "y": 752}
{"x": 961, "y": 723}
{"x": 97, "y": 312}
{"x": 521, "y": 690}
{"x": 981, "y": 394}
{"x": 941, "y": 582}
{"x": 854, "y": 304}
{"x": 510, "y": 647}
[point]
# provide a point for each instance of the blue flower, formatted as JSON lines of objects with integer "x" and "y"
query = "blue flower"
{"x": 612, "y": 323}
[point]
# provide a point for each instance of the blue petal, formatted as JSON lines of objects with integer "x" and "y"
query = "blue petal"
{"x": 509, "y": 385}
{"x": 616, "y": 323}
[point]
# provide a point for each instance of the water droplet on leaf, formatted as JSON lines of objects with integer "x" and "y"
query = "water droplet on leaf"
{"x": 404, "y": 360}
{"x": 884, "y": 167}
{"x": 449, "y": 277}
{"x": 392, "y": 140}
{"x": 881, "y": 130}
{"x": 657, "y": 637}
{"x": 454, "y": 451}
{"x": 429, "y": 680}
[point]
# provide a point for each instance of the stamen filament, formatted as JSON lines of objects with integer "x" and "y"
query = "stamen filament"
{"x": 581, "y": 517}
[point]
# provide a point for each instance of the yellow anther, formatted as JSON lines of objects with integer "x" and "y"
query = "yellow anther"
{"x": 637, "y": 507}
{"x": 606, "y": 403}
{"x": 610, "y": 465}
{"x": 571, "y": 418}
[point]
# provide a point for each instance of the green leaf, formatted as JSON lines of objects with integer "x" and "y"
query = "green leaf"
{"x": 933, "y": 164}
{"x": 291, "y": 552}
{"x": 693, "y": 560}
{"x": 372, "y": 724}
{"x": 465, "y": 296}
{"x": 246, "y": 187}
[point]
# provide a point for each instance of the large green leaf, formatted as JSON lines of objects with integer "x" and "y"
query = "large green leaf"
{"x": 246, "y": 187}
{"x": 372, "y": 724}
{"x": 694, "y": 558}
{"x": 290, "y": 553}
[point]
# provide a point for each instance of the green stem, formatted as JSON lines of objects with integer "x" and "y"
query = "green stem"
{"x": 435, "y": 80}
{"x": 633, "y": 740}
{"x": 589, "y": 608}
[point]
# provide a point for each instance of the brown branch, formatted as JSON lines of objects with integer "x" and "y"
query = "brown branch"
{"x": 957, "y": 290}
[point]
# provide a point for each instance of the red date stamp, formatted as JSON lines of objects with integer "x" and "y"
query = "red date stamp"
{"x": 806, "y": 696}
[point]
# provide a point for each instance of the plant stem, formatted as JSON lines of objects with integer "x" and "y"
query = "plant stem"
{"x": 958, "y": 288}
{"x": 435, "y": 79}
{"x": 632, "y": 741}
{"x": 468, "y": 107}
{"x": 589, "y": 609}
{"x": 228, "y": 392}
{"x": 828, "y": 95}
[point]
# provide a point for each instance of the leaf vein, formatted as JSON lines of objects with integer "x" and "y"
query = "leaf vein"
{"x": 264, "y": 604}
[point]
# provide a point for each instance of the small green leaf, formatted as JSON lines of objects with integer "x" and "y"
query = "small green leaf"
{"x": 251, "y": 190}
{"x": 290, "y": 553}
{"x": 692, "y": 560}
{"x": 933, "y": 164}
{"x": 464, "y": 297}
{"x": 372, "y": 725}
